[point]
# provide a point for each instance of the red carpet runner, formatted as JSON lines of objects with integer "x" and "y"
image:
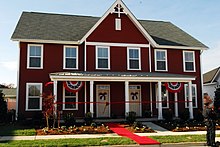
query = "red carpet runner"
{"x": 124, "y": 132}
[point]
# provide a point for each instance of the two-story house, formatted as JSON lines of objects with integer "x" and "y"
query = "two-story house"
{"x": 107, "y": 65}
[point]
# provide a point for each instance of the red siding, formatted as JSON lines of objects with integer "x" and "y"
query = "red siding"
{"x": 106, "y": 32}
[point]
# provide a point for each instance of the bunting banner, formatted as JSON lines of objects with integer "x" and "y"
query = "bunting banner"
{"x": 174, "y": 87}
{"x": 73, "y": 86}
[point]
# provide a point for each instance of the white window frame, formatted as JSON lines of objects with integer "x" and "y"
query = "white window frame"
{"x": 97, "y": 48}
{"x": 155, "y": 58}
{"x": 64, "y": 98}
{"x": 28, "y": 56}
{"x": 157, "y": 98}
{"x": 185, "y": 95}
{"x": 118, "y": 24}
{"x": 27, "y": 96}
{"x": 128, "y": 59}
{"x": 64, "y": 56}
{"x": 184, "y": 65}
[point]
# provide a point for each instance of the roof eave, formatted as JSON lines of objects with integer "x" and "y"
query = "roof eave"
{"x": 181, "y": 47}
{"x": 45, "y": 41}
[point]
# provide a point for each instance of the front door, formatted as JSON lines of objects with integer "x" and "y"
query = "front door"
{"x": 135, "y": 99}
{"x": 103, "y": 99}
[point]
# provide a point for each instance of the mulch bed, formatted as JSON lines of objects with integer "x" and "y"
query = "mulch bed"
{"x": 89, "y": 130}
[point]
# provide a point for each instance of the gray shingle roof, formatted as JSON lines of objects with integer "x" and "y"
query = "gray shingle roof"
{"x": 60, "y": 27}
{"x": 11, "y": 92}
{"x": 208, "y": 77}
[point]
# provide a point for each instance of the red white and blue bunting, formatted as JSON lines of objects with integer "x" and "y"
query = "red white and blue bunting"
{"x": 174, "y": 87}
{"x": 73, "y": 86}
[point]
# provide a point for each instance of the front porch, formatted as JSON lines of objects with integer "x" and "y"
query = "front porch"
{"x": 133, "y": 96}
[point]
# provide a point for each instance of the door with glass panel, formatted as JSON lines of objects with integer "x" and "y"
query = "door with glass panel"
{"x": 135, "y": 99}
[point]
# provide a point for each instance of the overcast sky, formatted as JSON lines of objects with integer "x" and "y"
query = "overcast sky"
{"x": 199, "y": 18}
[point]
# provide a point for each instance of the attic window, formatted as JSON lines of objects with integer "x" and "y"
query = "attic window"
{"x": 117, "y": 24}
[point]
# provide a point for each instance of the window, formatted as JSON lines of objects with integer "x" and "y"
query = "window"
{"x": 189, "y": 61}
{"x": 102, "y": 58}
{"x": 35, "y": 56}
{"x": 70, "y": 57}
{"x": 134, "y": 59}
{"x": 33, "y": 99}
{"x": 194, "y": 95}
{"x": 164, "y": 97}
{"x": 160, "y": 60}
{"x": 117, "y": 24}
{"x": 70, "y": 100}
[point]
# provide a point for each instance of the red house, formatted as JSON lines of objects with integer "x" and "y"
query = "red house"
{"x": 107, "y": 65}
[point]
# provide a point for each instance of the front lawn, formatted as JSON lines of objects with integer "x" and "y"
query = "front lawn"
{"x": 16, "y": 130}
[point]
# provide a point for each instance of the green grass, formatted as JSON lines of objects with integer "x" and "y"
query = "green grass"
{"x": 179, "y": 138}
{"x": 16, "y": 130}
{"x": 69, "y": 142}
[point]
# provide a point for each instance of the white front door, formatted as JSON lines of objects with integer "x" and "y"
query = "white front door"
{"x": 103, "y": 99}
{"x": 135, "y": 99}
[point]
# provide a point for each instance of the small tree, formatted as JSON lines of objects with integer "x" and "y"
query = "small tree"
{"x": 48, "y": 107}
{"x": 217, "y": 101}
{"x": 3, "y": 108}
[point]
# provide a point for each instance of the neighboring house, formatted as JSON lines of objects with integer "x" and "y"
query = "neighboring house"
{"x": 211, "y": 80}
{"x": 9, "y": 95}
{"x": 114, "y": 64}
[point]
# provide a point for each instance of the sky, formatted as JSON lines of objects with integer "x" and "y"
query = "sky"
{"x": 199, "y": 18}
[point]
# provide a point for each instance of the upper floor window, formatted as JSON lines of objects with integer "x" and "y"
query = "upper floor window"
{"x": 35, "y": 56}
{"x": 194, "y": 95}
{"x": 102, "y": 57}
{"x": 134, "y": 59}
{"x": 189, "y": 61}
{"x": 33, "y": 98}
{"x": 161, "y": 60}
{"x": 70, "y": 57}
{"x": 70, "y": 100}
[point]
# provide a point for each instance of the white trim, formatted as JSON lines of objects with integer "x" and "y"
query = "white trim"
{"x": 194, "y": 66}
{"x": 64, "y": 56}
{"x": 155, "y": 59}
{"x": 129, "y": 14}
{"x": 96, "y": 57}
{"x": 109, "y": 99}
{"x": 160, "y": 109}
{"x": 127, "y": 109}
{"x": 91, "y": 91}
{"x": 121, "y": 78}
{"x": 47, "y": 41}
{"x": 157, "y": 98}
{"x": 151, "y": 99}
{"x": 64, "y": 98}
{"x": 176, "y": 104}
{"x": 18, "y": 84}
{"x": 128, "y": 58}
{"x": 149, "y": 49}
{"x": 27, "y": 96}
{"x": 85, "y": 98}
{"x": 41, "y": 57}
{"x": 117, "y": 44}
{"x": 185, "y": 95}
{"x": 85, "y": 56}
{"x": 55, "y": 97}
{"x": 207, "y": 84}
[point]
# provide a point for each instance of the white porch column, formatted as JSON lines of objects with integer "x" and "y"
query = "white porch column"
{"x": 85, "y": 98}
{"x": 190, "y": 100}
{"x": 160, "y": 115}
{"x": 91, "y": 97}
{"x": 126, "y": 97}
{"x": 176, "y": 105}
{"x": 55, "y": 97}
{"x": 151, "y": 99}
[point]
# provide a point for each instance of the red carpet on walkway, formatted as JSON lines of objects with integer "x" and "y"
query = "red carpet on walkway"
{"x": 124, "y": 132}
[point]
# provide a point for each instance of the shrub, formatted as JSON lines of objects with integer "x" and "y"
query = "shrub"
{"x": 131, "y": 117}
{"x": 198, "y": 115}
{"x": 184, "y": 115}
{"x": 3, "y": 108}
{"x": 69, "y": 119}
{"x": 88, "y": 118}
{"x": 168, "y": 115}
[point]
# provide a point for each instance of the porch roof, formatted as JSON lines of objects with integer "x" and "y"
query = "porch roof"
{"x": 120, "y": 76}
